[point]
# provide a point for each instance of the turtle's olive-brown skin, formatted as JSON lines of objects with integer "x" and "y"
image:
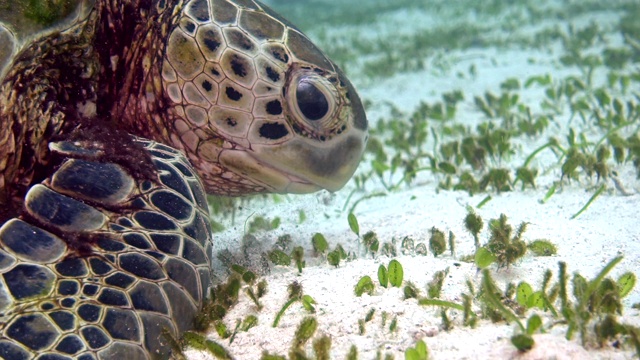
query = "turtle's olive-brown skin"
{"x": 112, "y": 131}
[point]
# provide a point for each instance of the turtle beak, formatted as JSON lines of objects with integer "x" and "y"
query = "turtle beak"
{"x": 327, "y": 165}
{"x": 300, "y": 166}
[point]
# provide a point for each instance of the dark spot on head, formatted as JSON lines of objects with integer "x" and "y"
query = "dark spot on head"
{"x": 272, "y": 74}
{"x": 238, "y": 66}
{"x": 231, "y": 122}
{"x": 214, "y": 72}
{"x": 206, "y": 85}
{"x": 238, "y": 39}
{"x": 210, "y": 40}
{"x": 273, "y": 131}
{"x": 274, "y": 107}
{"x": 190, "y": 27}
{"x": 233, "y": 94}
{"x": 280, "y": 54}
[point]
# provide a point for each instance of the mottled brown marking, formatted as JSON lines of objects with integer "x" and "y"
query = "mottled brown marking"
{"x": 239, "y": 65}
{"x": 305, "y": 50}
{"x": 239, "y": 40}
{"x": 223, "y": 11}
{"x": 278, "y": 52}
{"x": 199, "y": 9}
{"x": 184, "y": 55}
{"x": 261, "y": 25}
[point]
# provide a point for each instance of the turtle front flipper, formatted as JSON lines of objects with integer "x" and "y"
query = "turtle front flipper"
{"x": 100, "y": 264}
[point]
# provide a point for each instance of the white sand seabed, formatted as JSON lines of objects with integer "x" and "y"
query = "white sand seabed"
{"x": 607, "y": 229}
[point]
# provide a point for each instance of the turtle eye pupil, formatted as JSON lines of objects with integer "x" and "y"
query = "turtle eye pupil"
{"x": 311, "y": 101}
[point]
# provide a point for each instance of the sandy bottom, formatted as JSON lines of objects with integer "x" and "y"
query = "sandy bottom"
{"x": 586, "y": 244}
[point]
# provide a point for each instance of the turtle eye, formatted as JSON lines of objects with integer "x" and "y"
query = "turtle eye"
{"x": 312, "y": 102}
{"x": 313, "y": 99}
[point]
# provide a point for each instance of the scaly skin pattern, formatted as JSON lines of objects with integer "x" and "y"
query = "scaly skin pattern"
{"x": 99, "y": 266}
{"x": 251, "y": 101}
{"x": 114, "y": 129}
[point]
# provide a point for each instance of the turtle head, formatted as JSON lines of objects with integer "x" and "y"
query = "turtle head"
{"x": 255, "y": 105}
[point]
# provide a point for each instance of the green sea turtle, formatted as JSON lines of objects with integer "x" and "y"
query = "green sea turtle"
{"x": 112, "y": 131}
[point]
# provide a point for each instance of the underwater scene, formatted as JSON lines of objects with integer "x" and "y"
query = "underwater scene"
{"x": 494, "y": 214}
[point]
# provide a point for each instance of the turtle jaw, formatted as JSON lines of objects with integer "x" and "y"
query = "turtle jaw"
{"x": 300, "y": 165}
{"x": 242, "y": 163}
